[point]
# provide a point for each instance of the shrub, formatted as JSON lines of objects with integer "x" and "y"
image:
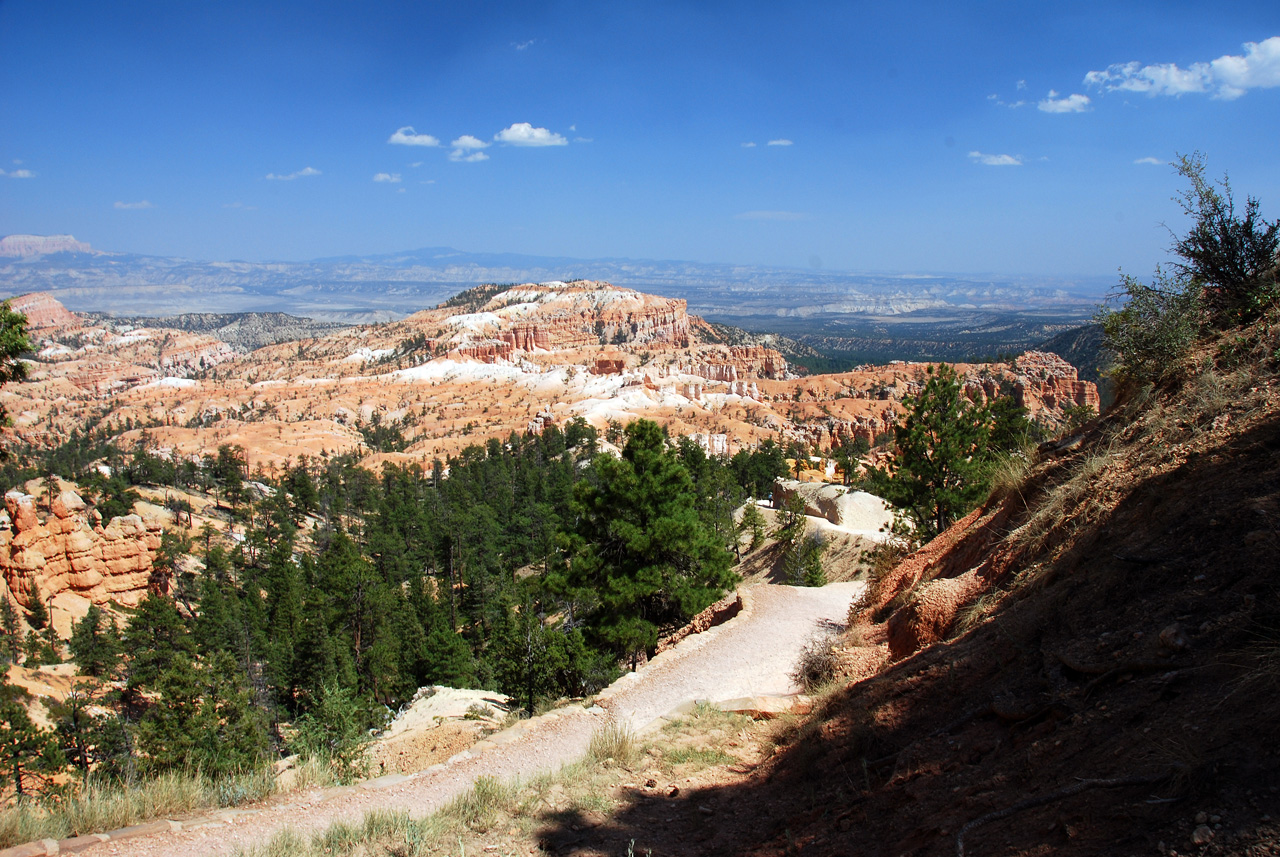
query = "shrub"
{"x": 1152, "y": 333}
{"x": 1232, "y": 258}
{"x": 817, "y": 664}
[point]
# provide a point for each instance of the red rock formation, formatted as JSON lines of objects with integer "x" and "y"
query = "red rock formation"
{"x": 192, "y": 351}
{"x": 1046, "y": 382}
{"x": 759, "y": 361}
{"x": 527, "y": 337}
{"x": 489, "y": 351}
{"x": 111, "y": 563}
{"x": 43, "y": 311}
{"x": 609, "y": 365}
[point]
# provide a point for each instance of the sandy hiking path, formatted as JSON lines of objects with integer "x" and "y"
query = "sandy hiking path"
{"x": 750, "y": 655}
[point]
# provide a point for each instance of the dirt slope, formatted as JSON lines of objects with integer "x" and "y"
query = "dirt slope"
{"x": 1089, "y": 666}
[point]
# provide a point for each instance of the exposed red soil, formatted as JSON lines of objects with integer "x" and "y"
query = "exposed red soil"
{"x": 1116, "y": 694}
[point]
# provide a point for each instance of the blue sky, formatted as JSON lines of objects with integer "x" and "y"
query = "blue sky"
{"x": 996, "y": 137}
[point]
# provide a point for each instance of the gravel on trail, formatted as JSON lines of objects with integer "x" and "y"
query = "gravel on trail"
{"x": 750, "y": 655}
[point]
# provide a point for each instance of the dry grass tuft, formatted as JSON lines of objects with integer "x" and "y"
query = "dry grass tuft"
{"x": 613, "y": 742}
{"x": 96, "y": 807}
{"x": 511, "y": 813}
{"x": 817, "y": 665}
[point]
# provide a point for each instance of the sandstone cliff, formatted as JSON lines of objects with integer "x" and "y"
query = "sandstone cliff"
{"x": 43, "y": 311}
{"x": 71, "y": 551}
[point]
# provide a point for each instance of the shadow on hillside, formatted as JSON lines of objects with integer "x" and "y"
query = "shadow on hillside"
{"x": 1077, "y": 676}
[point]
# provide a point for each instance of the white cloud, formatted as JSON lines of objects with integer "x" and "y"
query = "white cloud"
{"x": 584, "y": 139}
{"x": 392, "y": 178}
{"x": 520, "y": 46}
{"x": 996, "y": 160}
{"x": 1228, "y": 77}
{"x": 428, "y": 181}
{"x": 400, "y": 190}
{"x": 466, "y": 150}
{"x": 1149, "y": 160}
{"x": 18, "y": 174}
{"x": 466, "y": 141}
{"x": 240, "y": 205}
{"x": 780, "y": 142}
{"x": 406, "y": 136}
{"x": 524, "y": 134}
{"x": 288, "y": 177}
{"x": 132, "y": 206}
{"x": 1074, "y": 103}
{"x": 771, "y": 215}
{"x": 416, "y": 164}
{"x": 1022, "y": 84}
{"x": 748, "y": 145}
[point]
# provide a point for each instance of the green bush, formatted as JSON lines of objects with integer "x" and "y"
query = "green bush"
{"x": 1231, "y": 258}
{"x": 1151, "y": 334}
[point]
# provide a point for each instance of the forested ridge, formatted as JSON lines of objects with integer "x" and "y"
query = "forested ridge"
{"x": 536, "y": 567}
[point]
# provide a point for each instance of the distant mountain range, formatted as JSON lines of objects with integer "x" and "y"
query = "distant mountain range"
{"x": 386, "y": 286}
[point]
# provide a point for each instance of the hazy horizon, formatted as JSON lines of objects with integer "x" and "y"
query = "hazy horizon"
{"x": 921, "y": 138}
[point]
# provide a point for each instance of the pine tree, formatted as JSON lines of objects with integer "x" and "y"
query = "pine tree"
{"x": 29, "y": 756}
{"x": 37, "y": 615}
{"x": 640, "y": 546}
{"x": 154, "y": 637}
{"x": 942, "y": 454}
{"x": 752, "y": 522}
{"x": 95, "y": 645}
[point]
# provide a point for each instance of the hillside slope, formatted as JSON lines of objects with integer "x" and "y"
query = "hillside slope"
{"x": 1088, "y": 665}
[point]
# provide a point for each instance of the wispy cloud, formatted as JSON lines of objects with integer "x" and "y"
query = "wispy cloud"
{"x": 18, "y": 174}
{"x": 416, "y": 164}
{"x": 132, "y": 206}
{"x": 996, "y": 160}
{"x": 288, "y": 177}
{"x": 521, "y": 46}
{"x": 390, "y": 178}
{"x": 771, "y": 215}
{"x": 1000, "y": 102}
{"x": 780, "y": 142}
{"x": 524, "y": 134}
{"x": 1074, "y": 103}
{"x": 584, "y": 139}
{"x": 1022, "y": 84}
{"x": 466, "y": 149}
{"x": 406, "y": 136}
{"x": 1149, "y": 160}
{"x": 239, "y": 205}
{"x": 748, "y": 145}
{"x": 1227, "y": 78}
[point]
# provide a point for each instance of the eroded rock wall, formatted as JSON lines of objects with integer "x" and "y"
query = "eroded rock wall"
{"x": 71, "y": 551}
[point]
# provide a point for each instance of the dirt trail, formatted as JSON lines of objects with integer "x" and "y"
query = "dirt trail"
{"x": 750, "y": 655}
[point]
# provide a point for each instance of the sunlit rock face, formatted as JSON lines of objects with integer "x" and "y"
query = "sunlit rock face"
{"x": 71, "y": 550}
{"x": 491, "y": 362}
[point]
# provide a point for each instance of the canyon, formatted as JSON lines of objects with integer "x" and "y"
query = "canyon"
{"x": 489, "y": 362}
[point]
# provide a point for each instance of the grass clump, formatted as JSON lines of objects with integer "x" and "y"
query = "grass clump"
{"x": 96, "y": 807}
{"x": 478, "y": 808}
{"x": 613, "y": 742}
